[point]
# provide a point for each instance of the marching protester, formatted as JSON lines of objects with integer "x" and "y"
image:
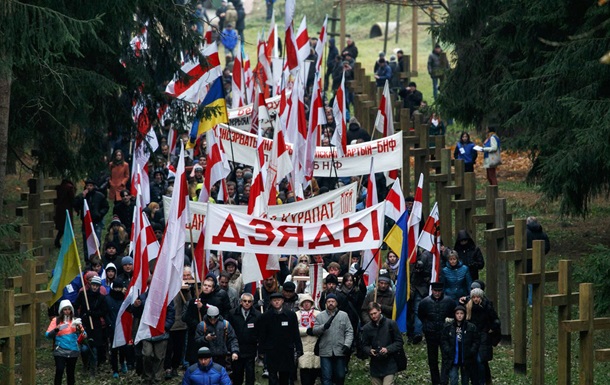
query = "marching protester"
{"x": 244, "y": 320}
{"x": 218, "y": 335}
{"x": 280, "y": 340}
{"x": 433, "y": 310}
{"x": 334, "y": 330}
{"x": 381, "y": 339}
{"x": 309, "y": 363}
{"x": 65, "y": 330}
{"x": 206, "y": 371}
{"x": 460, "y": 347}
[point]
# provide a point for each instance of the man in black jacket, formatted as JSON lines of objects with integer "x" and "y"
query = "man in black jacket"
{"x": 98, "y": 207}
{"x": 245, "y": 322}
{"x": 280, "y": 340}
{"x": 460, "y": 346}
{"x": 411, "y": 97}
{"x": 432, "y": 312}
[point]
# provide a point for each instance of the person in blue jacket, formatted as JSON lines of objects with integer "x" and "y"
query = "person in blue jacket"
{"x": 229, "y": 39}
{"x": 464, "y": 150}
{"x": 456, "y": 277}
{"x": 206, "y": 371}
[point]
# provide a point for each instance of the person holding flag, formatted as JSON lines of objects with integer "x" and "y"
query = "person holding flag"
{"x": 98, "y": 206}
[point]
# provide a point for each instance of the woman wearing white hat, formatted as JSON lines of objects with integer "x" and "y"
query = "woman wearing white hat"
{"x": 65, "y": 331}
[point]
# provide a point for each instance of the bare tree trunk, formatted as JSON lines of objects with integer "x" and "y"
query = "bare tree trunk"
{"x": 5, "y": 103}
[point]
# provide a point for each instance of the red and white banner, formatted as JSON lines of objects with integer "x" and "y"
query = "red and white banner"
{"x": 240, "y": 117}
{"x": 247, "y": 234}
{"x": 357, "y": 160}
{"x": 315, "y": 279}
{"x": 332, "y": 205}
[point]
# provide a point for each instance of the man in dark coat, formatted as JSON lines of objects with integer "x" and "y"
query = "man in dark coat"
{"x": 280, "y": 340}
{"x": 124, "y": 210}
{"x": 333, "y": 52}
{"x": 98, "y": 207}
{"x": 381, "y": 339}
{"x": 432, "y": 312}
{"x": 245, "y": 322}
{"x": 211, "y": 294}
{"x": 469, "y": 253}
{"x": 411, "y": 97}
{"x": 217, "y": 334}
{"x": 534, "y": 232}
{"x": 385, "y": 298}
{"x": 420, "y": 287}
{"x": 350, "y": 49}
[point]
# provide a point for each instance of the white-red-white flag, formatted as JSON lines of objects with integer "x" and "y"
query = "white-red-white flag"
{"x": 395, "y": 202}
{"x": 167, "y": 278}
{"x": 414, "y": 220}
{"x": 430, "y": 239}
{"x": 339, "y": 139}
{"x": 217, "y": 166}
{"x": 371, "y": 257}
{"x": 264, "y": 66}
{"x": 290, "y": 43}
{"x": 279, "y": 165}
{"x": 144, "y": 248}
{"x": 238, "y": 89}
{"x": 302, "y": 40}
{"x": 316, "y": 276}
{"x": 384, "y": 122}
{"x": 258, "y": 267}
{"x": 191, "y": 86}
{"x": 257, "y": 204}
{"x": 93, "y": 244}
{"x": 296, "y": 131}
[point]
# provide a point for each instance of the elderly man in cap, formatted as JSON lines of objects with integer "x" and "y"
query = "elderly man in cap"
{"x": 205, "y": 371}
{"x": 280, "y": 340}
{"x": 336, "y": 335}
{"x": 433, "y": 310}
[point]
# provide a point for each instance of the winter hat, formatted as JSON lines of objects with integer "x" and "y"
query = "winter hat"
{"x": 331, "y": 296}
{"x": 459, "y": 308}
{"x": 331, "y": 279}
{"x": 276, "y": 295}
{"x": 213, "y": 311}
{"x": 212, "y": 276}
{"x": 111, "y": 266}
{"x": 476, "y": 292}
{"x": 477, "y": 283}
{"x": 65, "y": 303}
{"x": 115, "y": 221}
{"x": 204, "y": 352}
{"x": 384, "y": 279}
{"x": 305, "y": 297}
{"x": 117, "y": 284}
{"x": 96, "y": 280}
{"x": 437, "y": 286}
{"x": 230, "y": 261}
{"x": 289, "y": 286}
{"x": 127, "y": 261}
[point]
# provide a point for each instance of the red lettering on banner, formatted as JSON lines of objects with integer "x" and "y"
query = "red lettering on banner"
{"x": 223, "y": 238}
{"x": 287, "y": 234}
{"x": 266, "y": 230}
{"x": 324, "y": 213}
{"x": 324, "y": 232}
{"x": 331, "y": 204}
{"x": 346, "y": 231}
{"x": 196, "y": 222}
{"x": 374, "y": 225}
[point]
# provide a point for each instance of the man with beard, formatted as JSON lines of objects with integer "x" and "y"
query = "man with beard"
{"x": 336, "y": 335}
{"x": 280, "y": 340}
{"x": 211, "y": 294}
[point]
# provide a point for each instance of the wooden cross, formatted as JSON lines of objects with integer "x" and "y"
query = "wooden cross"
{"x": 586, "y": 326}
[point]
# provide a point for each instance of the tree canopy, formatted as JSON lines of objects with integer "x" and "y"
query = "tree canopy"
{"x": 72, "y": 75}
{"x": 534, "y": 68}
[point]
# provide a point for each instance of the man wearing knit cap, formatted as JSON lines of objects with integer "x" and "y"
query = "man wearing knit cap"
{"x": 206, "y": 371}
{"x": 460, "y": 346}
{"x": 127, "y": 271}
{"x": 217, "y": 334}
{"x": 335, "y": 333}
{"x": 385, "y": 298}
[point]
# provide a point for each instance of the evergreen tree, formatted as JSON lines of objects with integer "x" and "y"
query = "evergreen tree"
{"x": 535, "y": 69}
{"x": 69, "y": 75}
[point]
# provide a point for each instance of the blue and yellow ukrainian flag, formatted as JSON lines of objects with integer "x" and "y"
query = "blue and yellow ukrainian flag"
{"x": 68, "y": 262}
{"x": 214, "y": 98}
{"x": 397, "y": 240}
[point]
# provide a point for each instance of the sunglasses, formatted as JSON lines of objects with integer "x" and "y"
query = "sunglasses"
{"x": 246, "y": 300}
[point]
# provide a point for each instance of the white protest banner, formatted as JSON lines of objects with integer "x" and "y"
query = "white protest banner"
{"x": 240, "y": 117}
{"x": 228, "y": 231}
{"x": 334, "y": 204}
{"x": 357, "y": 161}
